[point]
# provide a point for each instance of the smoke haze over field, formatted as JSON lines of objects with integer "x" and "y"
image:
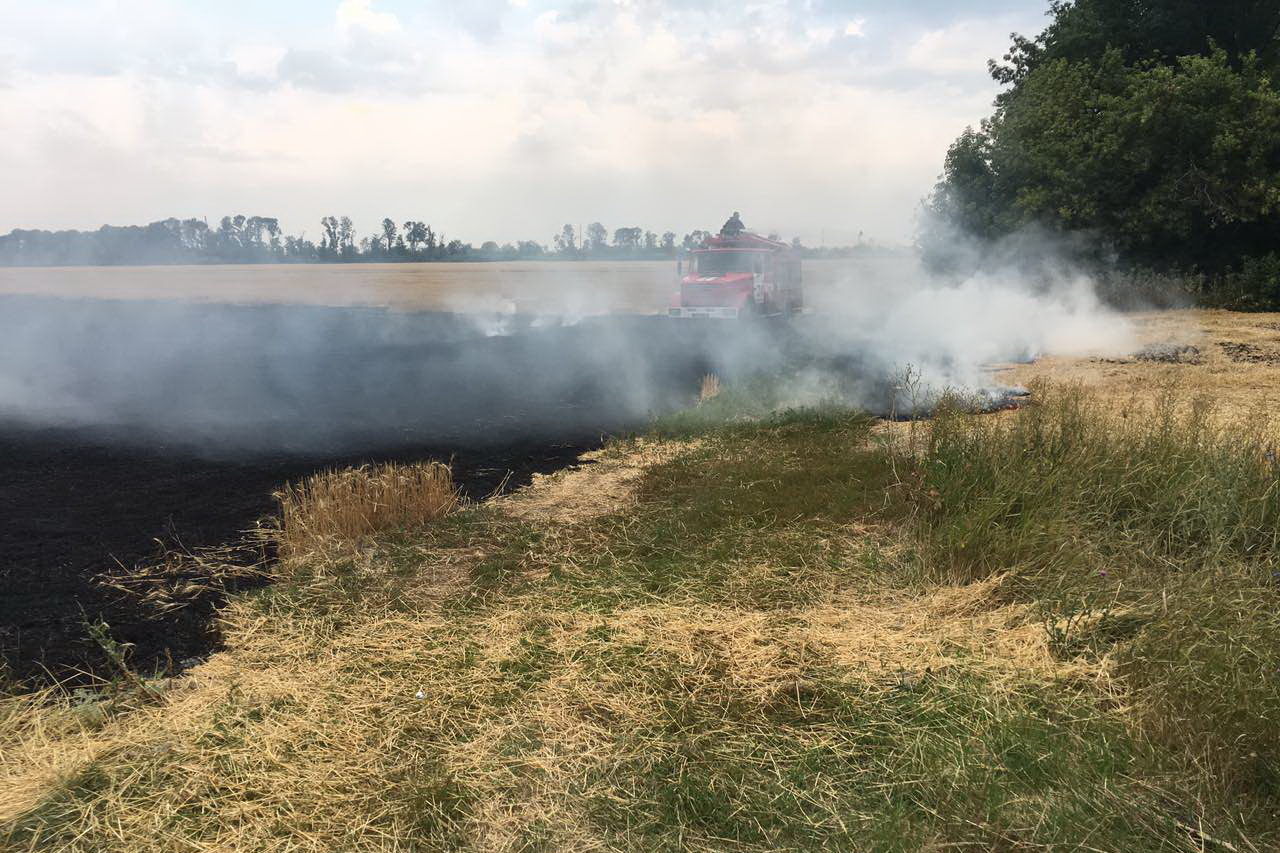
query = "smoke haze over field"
{"x": 305, "y": 379}
{"x": 895, "y": 314}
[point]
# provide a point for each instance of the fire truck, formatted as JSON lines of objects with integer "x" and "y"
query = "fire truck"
{"x": 738, "y": 277}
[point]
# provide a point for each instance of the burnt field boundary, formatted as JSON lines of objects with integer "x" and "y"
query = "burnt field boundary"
{"x": 123, "y": 423}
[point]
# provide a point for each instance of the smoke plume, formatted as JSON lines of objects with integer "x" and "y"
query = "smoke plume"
{"x": 276, "y": 378}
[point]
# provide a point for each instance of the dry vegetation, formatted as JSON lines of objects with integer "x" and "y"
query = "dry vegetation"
{"x": 349, "y": 505}
{"x": 1051, "y": 629}
{"x": 710, "y": 388}
{"x": 1238, "y": 385}
{"x": 555, "y": 287}
{"x": 579, "y": 287}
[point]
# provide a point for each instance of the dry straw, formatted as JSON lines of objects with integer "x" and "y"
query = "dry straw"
{"x": 710, "y": 388}
{"x": 351, "y": 504}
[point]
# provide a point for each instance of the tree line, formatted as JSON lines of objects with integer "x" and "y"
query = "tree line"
{"x": 1145, "y": 132}
{"x": 235, "y": 239}
{"x": 259, "y": 239}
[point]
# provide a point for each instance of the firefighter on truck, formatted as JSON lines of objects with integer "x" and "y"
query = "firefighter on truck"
{"x": 738, "y": 275}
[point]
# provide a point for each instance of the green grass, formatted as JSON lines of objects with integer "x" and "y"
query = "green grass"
{"x": 1066, "y": 492}
{"x": 1165, "y": 523}
{"x": 685, "y": 674}
{"x": 769, "y": 514}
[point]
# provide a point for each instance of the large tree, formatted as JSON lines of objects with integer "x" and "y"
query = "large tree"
{"x": 1132, "y": 124}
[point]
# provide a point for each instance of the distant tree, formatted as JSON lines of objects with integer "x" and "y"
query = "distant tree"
{"x": 245, "y": 239}
{"x": 195, "y": 235}
{"x": 228, "y": 235}
{"x": 330, "y": 240}
{"x": 415, "y": 234}
{"x": 253, "y": 230}
{"x": 566, "y": 242}
{"x": 695, "y": 239}
{"x": 346, "y": 236}
{"x": 597, "y": 239}
{"x": 627, "y": 238}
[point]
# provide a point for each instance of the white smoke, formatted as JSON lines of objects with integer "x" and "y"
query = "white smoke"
{"x": 561, "y": 350}
{"x": 952, "y": 331}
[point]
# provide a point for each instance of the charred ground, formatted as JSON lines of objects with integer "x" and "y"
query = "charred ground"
{"x": 176, "y": 422}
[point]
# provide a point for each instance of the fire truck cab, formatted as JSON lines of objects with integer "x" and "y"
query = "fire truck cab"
{"x": 737, "y": 277}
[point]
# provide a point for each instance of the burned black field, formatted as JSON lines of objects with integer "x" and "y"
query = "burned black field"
{"x": 124, "y": 423}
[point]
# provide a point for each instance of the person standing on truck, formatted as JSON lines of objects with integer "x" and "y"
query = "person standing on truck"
{"x": 733, "y": 226}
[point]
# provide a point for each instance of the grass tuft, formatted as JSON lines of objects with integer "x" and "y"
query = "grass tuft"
{"x": 352, "y": 504}
{"x": 710, "y": 388}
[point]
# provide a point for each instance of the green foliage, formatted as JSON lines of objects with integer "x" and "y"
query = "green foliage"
{"x": 755, "y": 515}
{"x": 1152, "y": 128}
{"x": 1208, "y": 664}
{"x": 850, "y": 768}
{"x": 1143, "y": 30}
{"x": 1151, "y": 537}
{"x": 1064, "y": 488}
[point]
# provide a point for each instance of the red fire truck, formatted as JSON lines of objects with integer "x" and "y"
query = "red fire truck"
{"x": 739, "y": 277}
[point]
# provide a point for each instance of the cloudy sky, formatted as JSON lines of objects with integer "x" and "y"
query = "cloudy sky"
{"x": 491, "y": 119}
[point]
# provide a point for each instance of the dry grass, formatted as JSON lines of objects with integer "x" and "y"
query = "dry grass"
{"x": 710, "y": 388}
{"x": 179, "y": 576}
{"x": 556, "y": 287}
{"x": 1239, "y": 389}
{"x": 351, "y": 504}
{"x": 577, "y": 287}
{"x": 603, "y": 482}
{"x": 746, "y": 650}
{"x": 398, "y": 730}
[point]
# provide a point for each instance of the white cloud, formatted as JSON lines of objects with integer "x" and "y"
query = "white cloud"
{"x": 500, "y": 126}
{"x": 963, "y": 47}
{"x": 359, "y": 14}
{"x": 257, "y": 60}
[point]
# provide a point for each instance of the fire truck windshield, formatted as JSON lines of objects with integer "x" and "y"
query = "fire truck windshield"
{"x": 719, "y": 263}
